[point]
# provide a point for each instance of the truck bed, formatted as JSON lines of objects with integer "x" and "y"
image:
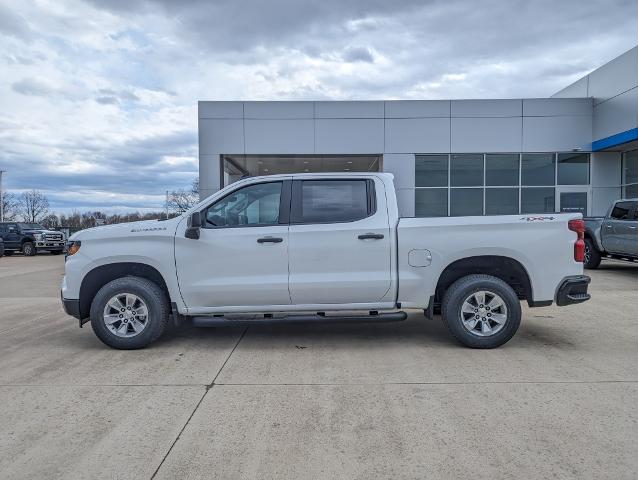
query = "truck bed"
{"x": 542, "y": 244}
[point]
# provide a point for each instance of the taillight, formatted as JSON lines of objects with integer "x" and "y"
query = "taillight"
{"x": 578, "y": 226}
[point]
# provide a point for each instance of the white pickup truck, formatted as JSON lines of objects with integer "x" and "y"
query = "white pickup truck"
{"x": 320, "y": 247}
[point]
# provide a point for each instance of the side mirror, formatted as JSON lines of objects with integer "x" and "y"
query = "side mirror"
{"x": 194, "y": 224}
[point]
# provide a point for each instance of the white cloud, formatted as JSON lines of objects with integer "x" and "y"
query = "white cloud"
{"x": 100, "y": 98}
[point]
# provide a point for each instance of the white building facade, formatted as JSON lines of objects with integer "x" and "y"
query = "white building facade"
{"x": 575, "y": 151}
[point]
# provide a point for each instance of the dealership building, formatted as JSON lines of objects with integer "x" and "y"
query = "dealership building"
{"x": 574, "y": 151}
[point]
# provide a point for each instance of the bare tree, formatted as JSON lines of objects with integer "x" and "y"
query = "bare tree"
{"x": 181, "y": 200}
{"x": 9, "y": 206}
{"x": 51, "y": 221}
{"x": 32, "y": 206}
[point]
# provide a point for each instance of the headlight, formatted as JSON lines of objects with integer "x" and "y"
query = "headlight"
{"x": 39, "y": 236}
{"x": 73, "y": 247}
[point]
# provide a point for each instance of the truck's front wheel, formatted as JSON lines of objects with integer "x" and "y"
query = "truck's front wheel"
{"x": 129, "y": 313}
{"x": 592, "y": 255}
{"x": 481, "y": 311}
{"x": 28, "y": 249}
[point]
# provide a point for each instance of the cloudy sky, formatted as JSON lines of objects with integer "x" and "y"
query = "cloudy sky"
{"x": 99, "y": 98}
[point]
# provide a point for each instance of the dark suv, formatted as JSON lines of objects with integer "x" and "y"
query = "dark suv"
{"x": 30, "y": 238}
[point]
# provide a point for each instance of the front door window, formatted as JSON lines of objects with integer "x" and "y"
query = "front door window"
{"x": 253, "y": 205}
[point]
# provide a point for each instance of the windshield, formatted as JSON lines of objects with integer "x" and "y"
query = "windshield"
{"x": 30, "y": 226}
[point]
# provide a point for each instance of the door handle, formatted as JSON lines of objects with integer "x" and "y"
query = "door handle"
{"x": 270, "y": 240}
{"x": 632, "y": 227}
{"x": 372, "y": 236}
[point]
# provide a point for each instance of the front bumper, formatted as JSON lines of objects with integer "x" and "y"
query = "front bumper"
{"x": 573, "y": 290}
{"x": 51, "y": 245}
{"x": 71, "y": 306}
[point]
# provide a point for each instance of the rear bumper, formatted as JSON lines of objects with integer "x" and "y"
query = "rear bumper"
{"x": 573, "y": 290}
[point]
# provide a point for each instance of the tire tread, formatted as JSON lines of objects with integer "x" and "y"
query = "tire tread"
{"x": 594, "y": 255}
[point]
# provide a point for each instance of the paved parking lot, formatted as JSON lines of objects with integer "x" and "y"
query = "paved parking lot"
{"x": 333, "y": 401}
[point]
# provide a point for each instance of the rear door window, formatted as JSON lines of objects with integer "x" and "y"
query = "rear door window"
{"x": 332, "y": 201}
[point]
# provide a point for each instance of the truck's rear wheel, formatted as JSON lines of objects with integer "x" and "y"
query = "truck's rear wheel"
{"x": 28, "y": 249}
{"x": 592, "y": 255}
{"x": 481, "y": 311}
{"x": 129, "y": 313}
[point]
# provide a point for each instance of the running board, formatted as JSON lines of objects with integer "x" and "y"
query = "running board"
{"x": 202, "y": 321}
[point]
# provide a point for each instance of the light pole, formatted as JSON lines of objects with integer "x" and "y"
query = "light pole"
{"x": 1, "y": 197}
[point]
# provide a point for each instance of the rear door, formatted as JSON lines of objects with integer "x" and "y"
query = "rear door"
{"x": 615, "y": 228}
{"x": 339, "y": 241}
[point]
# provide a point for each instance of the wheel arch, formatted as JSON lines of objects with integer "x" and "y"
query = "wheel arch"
{"x": 509, "y": 270}
{"x": 591, "y": 235}
{"x": 95, "y": 279}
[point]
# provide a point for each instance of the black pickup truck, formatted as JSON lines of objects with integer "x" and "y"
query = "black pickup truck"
{"x": 30, "y": 238}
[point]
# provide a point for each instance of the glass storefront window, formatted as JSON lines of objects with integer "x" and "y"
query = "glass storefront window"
{"x": 431, "y": 170}
{"x": 538, "y": 200}
{"x": 430, "y": 202}
{"x": 509, "y": 183}
{"x": 466, "y": 201}
{"x": 630, "y": 167}
{"x": 501, "y": 201}
{"x": 631, "y": 191}
{"x": 571, "y": 202}
{"x": 466, "y": 170}
{"x": 501, "y": 169}
{"x": 537, "y": 169}
{"x": 573, "y": 169}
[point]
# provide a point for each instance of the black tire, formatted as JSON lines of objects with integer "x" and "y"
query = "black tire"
{"x": 592, "y": 255}
{"x": 28, "y": 249}
{"x": 8, "y": 253}
{"x": 456, "y": 295}
{"x": 150, "y": 293}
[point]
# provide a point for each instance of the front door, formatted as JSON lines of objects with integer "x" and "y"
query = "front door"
{"x": 616, "y": 227}
{"x": 241, "y": 257}
{"x": 626, "y": 230}
{"x": 340, "y": 244}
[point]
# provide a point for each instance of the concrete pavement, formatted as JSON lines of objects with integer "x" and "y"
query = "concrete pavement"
{"x": 318, "y": 401}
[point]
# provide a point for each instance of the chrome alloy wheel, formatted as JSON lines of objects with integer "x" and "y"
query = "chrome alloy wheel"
{"x": 484, "y": 313}
{"x": 587, "y": 253}
{"x": 125, "y": 315}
